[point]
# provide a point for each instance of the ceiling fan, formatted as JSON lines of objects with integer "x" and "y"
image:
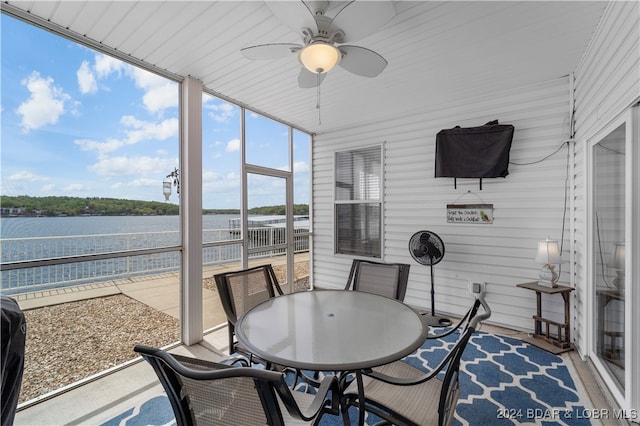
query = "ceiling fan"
{"x": 324, "y": 27}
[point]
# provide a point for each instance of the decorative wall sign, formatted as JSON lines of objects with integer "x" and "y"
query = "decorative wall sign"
{"x": 480, "y": 214}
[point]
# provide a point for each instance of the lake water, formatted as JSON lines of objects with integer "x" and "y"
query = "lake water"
{"x": 28, "y": 227}
{"x": 55, "y": 237}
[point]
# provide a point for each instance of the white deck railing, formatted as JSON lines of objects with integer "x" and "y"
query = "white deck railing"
{"x": 30, "y": 264}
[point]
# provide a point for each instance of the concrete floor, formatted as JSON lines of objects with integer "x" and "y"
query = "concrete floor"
{"x": 99, "y": 400}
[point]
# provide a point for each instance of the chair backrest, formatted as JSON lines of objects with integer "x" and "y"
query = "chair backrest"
{"x": 384, "y": 279}
{"x": 207, "y": 393}
{"x": 241, "y": 290}
{"x": 450, "y": 391}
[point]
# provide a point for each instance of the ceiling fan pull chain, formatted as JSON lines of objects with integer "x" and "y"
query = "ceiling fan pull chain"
{"x": 318, "y": 97}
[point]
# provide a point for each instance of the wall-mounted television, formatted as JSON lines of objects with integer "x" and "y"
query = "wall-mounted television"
{"x": 474, "y": 152}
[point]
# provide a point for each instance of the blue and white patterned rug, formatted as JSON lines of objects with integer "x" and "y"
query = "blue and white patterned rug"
{"x": 504, "y": 381}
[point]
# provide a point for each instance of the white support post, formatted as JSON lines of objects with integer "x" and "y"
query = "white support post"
{"x": 290, "y": 234}
{"x": 191, "y": 211}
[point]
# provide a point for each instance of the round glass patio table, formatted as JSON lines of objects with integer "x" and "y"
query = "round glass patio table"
{"x": 331, "y": 330}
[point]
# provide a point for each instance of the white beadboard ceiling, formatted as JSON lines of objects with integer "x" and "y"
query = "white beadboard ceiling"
{"x": 439, "y": 53}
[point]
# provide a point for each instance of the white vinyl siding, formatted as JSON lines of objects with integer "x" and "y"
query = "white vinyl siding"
{"x": 528, "y": 204}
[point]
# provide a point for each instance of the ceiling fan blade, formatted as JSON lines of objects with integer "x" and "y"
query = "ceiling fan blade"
{"x": 359, "y": 19}
{"x": 294, "y": 14}
{"x": 270, "y": 51}
{"x": 308, "y": 79}
{"x": 361, "y": 61}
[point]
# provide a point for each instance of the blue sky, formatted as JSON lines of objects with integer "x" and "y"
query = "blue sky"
{"x": 76, "y": 122}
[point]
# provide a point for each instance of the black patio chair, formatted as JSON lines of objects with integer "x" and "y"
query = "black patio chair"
{"x": 241, "y": 290}
{"x": 384, "y": 279}
{"x": 208, "y": 393}
{"x": 404, "y": 395}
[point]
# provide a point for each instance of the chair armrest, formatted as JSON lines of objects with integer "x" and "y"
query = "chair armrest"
{"x": 471, "y": 317}
{"x": 320, "y": 400}
{"x": 306, "y": 378}
{"x": 328, "y": 384}
{"x": 418, "y": 378}
{"x": 236, "y": 360}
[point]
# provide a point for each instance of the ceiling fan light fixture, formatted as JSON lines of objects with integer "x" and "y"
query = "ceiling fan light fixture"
{"x": 319, "y": 57}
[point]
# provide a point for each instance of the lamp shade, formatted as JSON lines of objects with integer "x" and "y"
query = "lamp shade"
{"x": 617, "y": 258}
{"x": 319, "y": 57}
{"x": 548, "y": 253}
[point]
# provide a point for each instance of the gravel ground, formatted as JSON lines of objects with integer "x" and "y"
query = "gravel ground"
{"x": 71, "y": 341}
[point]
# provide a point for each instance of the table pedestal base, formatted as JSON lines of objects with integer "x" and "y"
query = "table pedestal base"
{"x": 435, "y": 320}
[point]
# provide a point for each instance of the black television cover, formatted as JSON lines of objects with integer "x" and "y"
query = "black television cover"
{"x": 474, "y": 152}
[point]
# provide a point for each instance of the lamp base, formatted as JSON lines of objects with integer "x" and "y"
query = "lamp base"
{"x": 548, "y": 276}
{"x": 547, "y": 283}
{"x": 618, "y": 281}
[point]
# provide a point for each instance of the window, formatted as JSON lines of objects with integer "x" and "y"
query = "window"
{"x": 87, "y": 141}
{"x": 608, "y": 257}
{"x": 358, "y": 202}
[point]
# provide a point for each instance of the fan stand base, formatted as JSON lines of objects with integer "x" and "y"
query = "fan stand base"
{"x": 436, "y": 321}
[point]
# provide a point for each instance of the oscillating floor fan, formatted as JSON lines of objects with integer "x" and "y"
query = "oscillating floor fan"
{"x": 427, "y": 249}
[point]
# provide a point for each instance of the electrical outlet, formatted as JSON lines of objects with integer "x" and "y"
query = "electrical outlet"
{"x": 476, "y": 287}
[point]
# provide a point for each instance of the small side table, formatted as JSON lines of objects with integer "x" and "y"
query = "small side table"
{"x": 609, "y": 352}
{"x": 560, "y": 341}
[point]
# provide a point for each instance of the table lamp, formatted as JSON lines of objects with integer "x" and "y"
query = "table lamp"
{"x": 617, "y": 262}
{"x": 548, "y": 255}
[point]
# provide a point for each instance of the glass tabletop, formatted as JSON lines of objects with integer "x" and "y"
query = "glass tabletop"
{"x": 334, "y": 330}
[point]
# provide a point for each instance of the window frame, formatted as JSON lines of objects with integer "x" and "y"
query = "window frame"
{"x": 628, "y": 394}
{"x": 375, "y": 252}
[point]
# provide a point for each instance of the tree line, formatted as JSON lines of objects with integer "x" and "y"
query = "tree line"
{"x": 25, "y": 205}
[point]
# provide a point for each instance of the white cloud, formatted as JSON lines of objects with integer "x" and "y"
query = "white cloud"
{"x": 24, "y": 175}
{"x": 140, "y": 131}
{"x": 216, "y": 182}
{"x": 45, "y": 104}
{"x": 106, "y": 65}
{"x": 86, "y": 80}
{"x": 74, "y": 188}
{"x": 103, "y": 148}
{"x": 144, "y": 130}
{"x": 233, "y": 145}
{"x": 160, "y": 93}
{"x": 300, "y": 167}
{"x": 145, "y": 183}
{"x": 132, "y": 166}
{"x": 221, "y": 112}
{"x": 159, "y": 98}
